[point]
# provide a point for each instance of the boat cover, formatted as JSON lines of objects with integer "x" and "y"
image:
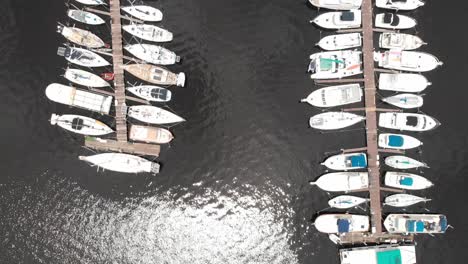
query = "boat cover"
{"x": 358, "y": 161}
{"x": 347, "y": 16}
{"x": 395, "y": 141}
{"x": 415, "y": 226}
{"x": 443, "y": 223}
{"x": 343, "y": 225}
{"x": 387, "y": 18}
{"x": 411, "y": 121}
{"x": 77, "y": 123}
{"x": 389, "y": 257}
{"x": 406, "y": 181}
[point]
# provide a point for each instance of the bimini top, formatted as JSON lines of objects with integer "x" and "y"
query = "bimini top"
{"x": 358, "y": 160}
{"x": 395, "y": 141}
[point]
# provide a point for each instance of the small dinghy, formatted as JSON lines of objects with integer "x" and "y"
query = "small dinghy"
{"x": 399, "y": 4}
{"x": 403, "y": 162}
{"x": 337, "y": 4}
{"x": 153, "y": 54}
{"x": 143, "y": 12}
{"x": 81, "y": 125}
{"x": 394, "y": 21}
{"x": 407, "y": 121}
{"x": 153, "y": 115}
{"x": 335, "y": 64}
{"x": 407, "y": 181}
{"x": 151, "y": 93}
{"x": 348, "y": 161}
{"x": 149, "y": 134}
{"x": 85, "y": 78}
{"x": 412, "y": 61}
{"x": 121, "y": 162}
{"x": 346, "y": 201}
{"x": 400, "y": 41}
{"x": 339, "y": 20}
{"x": 334, "y": 120}
{"x": 85, "y": 17}
{"x": 92, "y": 2}
{"x": 405, "y": 101}
{"x": 335, "y": 95}
{"x": 403, "y": 82}
{"x": 342, "y": 181}
{"x": 149, "y": 32}
{"x": 416, "y": 223}
{"x": 342, "y": 223}
{"x": 155, "y": 74}
{"x": 404, "y": 200}
{"x": 82, "y": 57}
{"x": 398, "y": 141}
{"x": 81, "y": 37}
{"x": 340, "y": 41}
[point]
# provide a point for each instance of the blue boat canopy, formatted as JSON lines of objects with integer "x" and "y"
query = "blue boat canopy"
{"x": 395, "y": 141}
{"x": 406, "y": 181}
{"x": 389, "y": 257}
{"x": 443, "y": 223}
{"x": 358, "y": 161}
{"x": 343, "y": 225}
{"x": 413, "y": 226}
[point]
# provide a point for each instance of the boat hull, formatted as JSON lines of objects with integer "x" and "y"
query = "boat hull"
{"x": 398, "y": 141}
{"x": 335, "y": 95}
{"x": 85, "y": 78}
{"x": 85, "y": 17}
{"x": 403, "y": 82}
{"x": 408, "y": 121}
{"x": 342, "y": 223}
{"x": 348, "y": 161}
{"x": 403, "y": 200}
{"x": 405, "y": 101}
{"x": 149, "y": 32}
{"x": 151, "y": 93}
{"x": 334, "y": 120}
{"x": 341, "y": 41}
{"x": 336, "y": 20}
{"x": 153, "y": 115}
{"x": 121, "y": 162}
{"x": 416, "y": 223}
{"x": 405, "y": 22}
{"x": 145, "y": 13}
{"x": 337, "y": 5}
{"x": 154, "y": 74}
{"x": 406, "y": 181}
{"x": 152, "y": 54}
{"x": 346, "y": 201}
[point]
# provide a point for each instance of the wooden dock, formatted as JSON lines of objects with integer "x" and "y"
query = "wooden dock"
{"x": 122, "y": 146}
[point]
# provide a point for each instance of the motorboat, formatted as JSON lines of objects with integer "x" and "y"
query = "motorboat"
{"x": 121, "y": 162}
{"x": 334, "y": 120}
{"x": 339, "y": 20}
{"x": 405, "y": 100}
{"x": 81, "y": 124}
{"x": 380, "y": 254}
{"x": 341, "y": 41}
{"x": 337, "y": 4}
{"x": 342, "y": 223}
{"x": 407, "y": 121}
{"x": 67, "y": 95}
{"x": 403, "y": 162}
{"x": 335, "y": 64}
{"x": 92, "y": 2}
{"x": 143, "y": 12}
{"x": 406, "y": 181}
{"x": 343, "y": 181}
{"x": 394, "y": 21}
{"x": 400, "y": 41}
{"x": 81, "y": 37}
{"x": 346, "y": 201}
{"x": 151, "y": 93}
{"x": 85, "y": 78}
{"x": 153, "y": 115}
{"x": 404, "y": 200}
{"x": 154, "y": 74}
{"x": 85, "y": 17}
{"x": 347, "y": 161}
{"x": 416, "y": 223}
{"x": 398, "y": 141}
{"x": 149, "y": 134}
{"x": 82, "y": 57}
{"x": 335, "y": 95}
{"x": 403, "y": 82}
{"x": 399, "y": 4}
{"x": 412, "y": 61}
{"x": 153, "y": 54}
{"x": 148, "y": 32}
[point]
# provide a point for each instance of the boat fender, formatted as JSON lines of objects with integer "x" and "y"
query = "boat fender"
{"x": 53, "y": 119}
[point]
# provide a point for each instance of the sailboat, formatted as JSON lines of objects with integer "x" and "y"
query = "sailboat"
{"x": 121, "y": 162}
{"x": 80, "y": 124}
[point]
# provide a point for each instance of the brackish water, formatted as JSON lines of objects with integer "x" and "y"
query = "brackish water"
{"x": 234, "y": 185}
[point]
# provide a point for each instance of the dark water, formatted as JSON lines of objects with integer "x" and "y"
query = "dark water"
{"x": 234, "y": 187}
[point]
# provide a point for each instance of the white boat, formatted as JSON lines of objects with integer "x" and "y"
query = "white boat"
{"x": 334, "y": 120}
{"x": 337, "y": 4}
{"x": 339, "y": 20}
{"x": 343, "y": 181}
{"x": 399, "y": 4}
{"x": 412, "y": 61}
{"x": 342, "y": 223}
{"x": 151, "y": 93}
{"x": 335, "y": 64}
{"x": 406, "y": 181}
{"x": 149, "y": 134}
{"x": 416, "y": 223}
{"x": 85, "y": 78}
{"x": 407, "y": 121}
{"x": 403, "y": 162}
{"x": 400, "y": 41}
{"x": 398, "y": 141}
{"x": 346, "y": 201}
{"x": 149, "y": 32}
{"x": 81, "y": 37}
{"x": 347, "y": 161}
{"x": 85, "y": 17}
{"x": 406, "y": 100}
{"x": 82, "y": 57}
{"x": 381, "y": 254}
{"x": 92, "y": 2}
{"x": 121, "y": 162}
{"x": 153, "y": 54}
{"x": 335, "y": 95}
{"x": 145, "y": 13}
{"x": 404, "y": 200}
{"x": 394, "y": 21}
{"x": 153, "y": 115}
{"x": 79, "y": 98}
{"x": 341, "y": 41}
{"x": 156, "y": 75}
{"x": 81, "y": 124}
{"x": 403, "y": 82}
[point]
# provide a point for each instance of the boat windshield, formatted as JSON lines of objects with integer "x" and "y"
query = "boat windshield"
{"x": 412, "y": 121}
